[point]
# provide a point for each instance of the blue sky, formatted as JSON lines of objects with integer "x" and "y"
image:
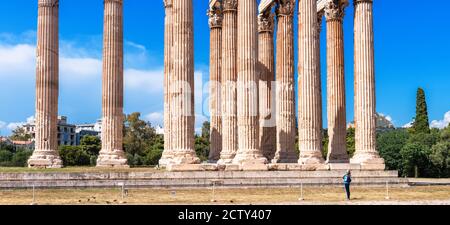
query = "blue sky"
{"x": 411, "y": 49}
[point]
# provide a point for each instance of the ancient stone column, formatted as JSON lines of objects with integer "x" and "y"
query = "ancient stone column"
{"x": 112, "y": 154}
{"x": 229, "y": 78}
{"x": 365, "y": 120}
{"x": 167, "y": 154}
{"x": 285, "y": 93}
{"x": 309, "y": 105}
{"x": 337, "y": 128}
{"x": 46, "y": 154}
{"x": 182, "y": 85}
{"x": 267, "y": 130}
{"x": 247, "y": 87}
{"x": 215, "y": 25}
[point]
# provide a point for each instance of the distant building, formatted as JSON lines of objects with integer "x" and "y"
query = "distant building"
{"x": 66, "y": 131}
{"x": 94, "y": 129}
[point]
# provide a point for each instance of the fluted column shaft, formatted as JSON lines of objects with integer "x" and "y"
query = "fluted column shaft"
{"x": 337, "y": 151}
{"x": 112, "y": 154}
{"x": 182, "y": 86}
{"x": 285, "y": 93}
{"x": 365, "y": 120}
{"x": 229, "y": 80}
{"x": 168, "y": 44}
{"x": 309, "y": 106}
{"x": 247, "y": 88}
{"x": 215, "y": 24}
{"x": 46, "y": 154}
{"x": 266, "y": 63}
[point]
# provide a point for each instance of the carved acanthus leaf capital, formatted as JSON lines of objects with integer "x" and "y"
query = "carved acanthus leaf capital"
{"x": 285, "y": 8}
{"x": 266, "y": 22}
{"x": 215, "y": 18}
{"x": 355, "y": 2}
{"x": 48, "y": 3}
{"x": 229, "y": 5}
{"x": 168, "y": 3}
{"x": 335, "y": 10}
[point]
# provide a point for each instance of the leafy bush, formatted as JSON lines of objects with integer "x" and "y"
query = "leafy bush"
{"x": 74, "y": 156}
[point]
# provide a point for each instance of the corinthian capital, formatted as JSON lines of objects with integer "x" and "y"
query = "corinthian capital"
{"x": 215, "y": 18}
{"x": 168, "y": 3}
{"x": 229, "y": 5}
{"x": 334, "y": 10}
{"x": 48, "y": 3}
{"x": 285, "y": 8}
{"x": 266, "y": 22}
{"x": 355, "y": 2}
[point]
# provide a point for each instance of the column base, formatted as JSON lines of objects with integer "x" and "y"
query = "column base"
{"x": 249, "y": 156}
{"x": 285, "y": 157}
{"x": 114, "y": 159}
{"x": 182, "y": 157}
{"x": 165, "y": 159}
{"x": 45, "y": 159}
{"x": 369, "y": 160}
{"x": 310, "y": 158}
{"x": 226, "y": 157}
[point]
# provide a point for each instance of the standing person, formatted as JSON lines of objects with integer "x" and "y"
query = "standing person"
{"x": 347, "y": 180}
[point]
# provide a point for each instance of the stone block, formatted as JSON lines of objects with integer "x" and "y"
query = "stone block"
{"x": 184, "y": 167}
{"x": 254, "y": 166}
{"x": 373, "y": 166}
{"x": 344, "y": 166}
{"x": 232, "y": 167}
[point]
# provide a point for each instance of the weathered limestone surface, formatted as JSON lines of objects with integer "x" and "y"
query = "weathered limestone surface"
{"x": 365, "y": 120}
{"x": 229, "y": 79}
{"x": 247, "y": 94}
{"x": 215, "y": 24}
{"x": 46, "y": 154}
{"x": 182, "y": 86}
{"x": 285, "y": 84}
{"x": 309, "y": 105}
{"x": 168, "y": 45}
{"x": 267, "y": 130}
{"x": 112, "y": 154}
{"x": 337, "y": 151}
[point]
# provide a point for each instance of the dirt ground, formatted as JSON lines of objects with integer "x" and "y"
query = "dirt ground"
{"x": 435, "y": 195}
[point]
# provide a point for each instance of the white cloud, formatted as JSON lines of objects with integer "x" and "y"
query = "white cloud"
{"x": 145, "y": 80}
{"x": 155, "y": 118}
{"x": 2, "y": 124}
{"x": 441, "y": 124}
{"x": 81, "y": 67}
{"x": 17, "y": 60}
{"x": 13, "y": 126}
{"x": 30, "y": 119}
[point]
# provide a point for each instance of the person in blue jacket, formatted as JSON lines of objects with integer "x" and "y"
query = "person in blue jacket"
{"x": 347, "y": 180}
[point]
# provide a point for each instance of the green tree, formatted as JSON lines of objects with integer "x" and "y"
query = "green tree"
{"x": 421, "y": 123}
{"x": 389, "y": 145}
{"x": 415, "y": 159}
{"x": 19, "y": 134}
{"x": 154, "y": 152}
{"x": 138, "y": 137}
{"x": 91, "y": 144}
{"x": 202, "y": 147}
{"x": 206, "y": 130}
{"x": 74, "y": 156}
{"x": 5, "y": 157}
{"x": 20, "y": 157}
{"x": 350, "y": 141}
{"x": 440, "y": 157}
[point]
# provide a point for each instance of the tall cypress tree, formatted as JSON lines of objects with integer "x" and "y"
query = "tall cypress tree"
{"x": 421, "y": 122}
